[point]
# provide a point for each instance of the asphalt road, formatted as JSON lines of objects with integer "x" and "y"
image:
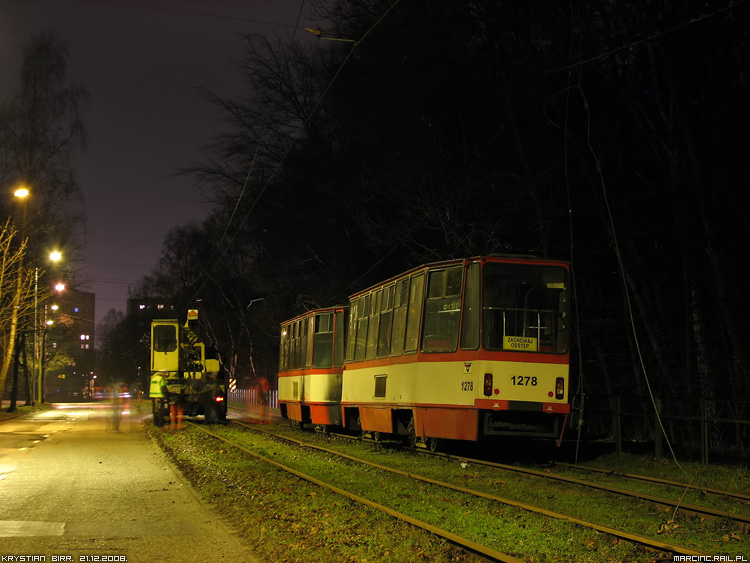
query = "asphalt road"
{"x": 73, "y": 487}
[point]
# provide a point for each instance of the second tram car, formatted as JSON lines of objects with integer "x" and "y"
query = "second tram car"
{"x": 311, "y": 363}
{"x": 461, "y": 350}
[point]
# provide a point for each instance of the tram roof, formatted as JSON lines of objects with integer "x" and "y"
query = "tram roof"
{"x": 503, "y": 258}
{"x": 312, "y": 312}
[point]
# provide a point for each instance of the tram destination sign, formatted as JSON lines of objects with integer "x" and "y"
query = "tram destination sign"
{"x": 523, "y": 343}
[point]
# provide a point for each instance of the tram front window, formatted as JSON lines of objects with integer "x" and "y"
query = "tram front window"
{"x": 523, "y": 308}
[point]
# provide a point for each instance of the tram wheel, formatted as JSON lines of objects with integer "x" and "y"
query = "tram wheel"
{"x": 376, "y": 436}
{"x": 411, "y": 434}
{"x": 433, "y": 444}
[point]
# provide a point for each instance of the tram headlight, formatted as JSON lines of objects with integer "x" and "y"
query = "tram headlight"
{"x": 488, "y": 384}
{"x": 560, "y": 388}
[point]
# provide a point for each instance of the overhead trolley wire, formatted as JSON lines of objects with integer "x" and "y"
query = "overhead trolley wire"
{"x": 262, "y": 191}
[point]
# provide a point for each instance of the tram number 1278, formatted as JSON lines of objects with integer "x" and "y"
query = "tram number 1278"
{"x": 524, "y": 380}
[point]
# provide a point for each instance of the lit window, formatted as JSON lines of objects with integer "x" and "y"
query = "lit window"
{"x": 141, "y": 307}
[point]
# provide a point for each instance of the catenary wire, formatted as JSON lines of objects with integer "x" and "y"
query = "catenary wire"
{"x": 626, "y": 290}
{"x": 262, "y": 191}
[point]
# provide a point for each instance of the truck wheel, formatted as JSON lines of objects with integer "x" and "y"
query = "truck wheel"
{"x": 223, "y": 412}
{"x": 211, "y": 413}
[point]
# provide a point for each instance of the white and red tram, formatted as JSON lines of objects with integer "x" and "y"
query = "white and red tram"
{"x": 462, "y": 350}
{"x": 310, "y": 367}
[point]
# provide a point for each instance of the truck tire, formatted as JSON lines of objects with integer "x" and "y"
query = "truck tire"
{"x": 211, "y": 412}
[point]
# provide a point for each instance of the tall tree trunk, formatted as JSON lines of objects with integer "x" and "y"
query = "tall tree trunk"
{"x": 8, "y": 355}
{"x": 13, "y": 263}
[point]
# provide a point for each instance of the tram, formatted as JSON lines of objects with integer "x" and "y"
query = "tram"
{"x": 463, "y": 349}
{"x": 311, "y": 359}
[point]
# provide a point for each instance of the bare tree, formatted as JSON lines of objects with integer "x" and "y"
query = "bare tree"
{"x": 16, "y": 294}
{"x": 40, "y": 130}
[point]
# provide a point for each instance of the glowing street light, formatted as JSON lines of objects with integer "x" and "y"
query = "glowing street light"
{"x": 39, "y": 350}
{"x": 22, "y": 192}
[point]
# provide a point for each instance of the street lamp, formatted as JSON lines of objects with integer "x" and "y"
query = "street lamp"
{"x": 39, "y": 354}
{"x": 22, "y": 192}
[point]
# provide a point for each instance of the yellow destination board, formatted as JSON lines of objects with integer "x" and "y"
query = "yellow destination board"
{"x": 521, "y": 343}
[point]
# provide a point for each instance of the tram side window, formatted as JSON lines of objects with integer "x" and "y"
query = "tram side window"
{"x": 414, "y": 313}
{"x": 302, "y": 343}
{"x": 288, "y": 349}
{"x": 386, "y": 318}
{"x": 289, "y": 352}
{"x": 442, "y": 311}
{"x": 297, "y": 345}
{"x": 373, "y": 325}
{"x": 338, "y": 346}
{"x": 400, "y": 303}
{"x": 364, "y": 311}
{"x": 524, "y": 308}
{"x": 351, "y": 335}
{"x": 323, "y": 341}
{"x": 282, "y": 348}
{"x": 293, "y": 345}
{"x": 309, "y": 339}
{"x": 470, "y": 323}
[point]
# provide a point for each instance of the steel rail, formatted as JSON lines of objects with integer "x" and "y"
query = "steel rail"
{"x": 610, "y": 472}
{"x": 688, "y": 508}
{"x": 677, "y": 505}
{"x": 635, "y": 538}
{"x": 451, "y": 537}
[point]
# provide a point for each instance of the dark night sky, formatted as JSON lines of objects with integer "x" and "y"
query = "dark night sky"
{"x": 143, "y": 63}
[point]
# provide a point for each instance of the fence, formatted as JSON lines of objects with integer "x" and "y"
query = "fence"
{"x": 253, "y": 398}
{"x": 710, "y": 427}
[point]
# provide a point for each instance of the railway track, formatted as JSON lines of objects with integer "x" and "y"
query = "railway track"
{"x": 645, "y": 478}
{"x": 622, "y": 535}
{"x": 485, "y": 552}
{"x": 689, "y": 509}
